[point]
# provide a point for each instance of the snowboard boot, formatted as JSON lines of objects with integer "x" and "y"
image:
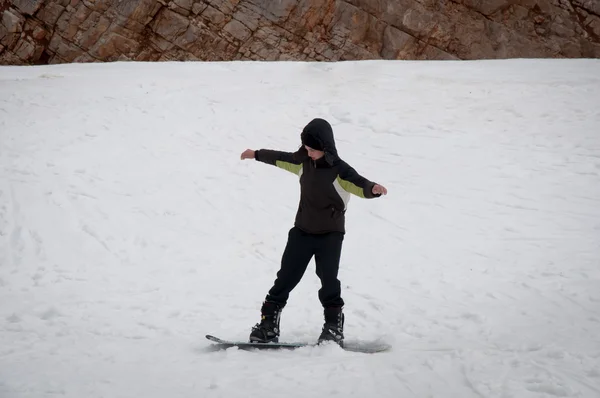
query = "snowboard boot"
{"x": 333, "y": 329}
{"x": 267, "y": 330}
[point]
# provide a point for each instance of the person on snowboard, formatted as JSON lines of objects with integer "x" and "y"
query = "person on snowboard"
{"x": 326, "y": 182}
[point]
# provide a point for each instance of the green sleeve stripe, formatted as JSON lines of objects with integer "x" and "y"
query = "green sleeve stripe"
{"x": 350, "y": 187}
{"x": 291, "y": 167}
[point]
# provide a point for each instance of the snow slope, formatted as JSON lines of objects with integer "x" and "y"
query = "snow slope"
{"x": 130, "y": 228}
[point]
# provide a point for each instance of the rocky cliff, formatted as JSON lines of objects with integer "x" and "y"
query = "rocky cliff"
{"x": 59, "y": 31}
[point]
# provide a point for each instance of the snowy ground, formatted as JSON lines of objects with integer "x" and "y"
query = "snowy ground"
{"x": 129, "y": 228}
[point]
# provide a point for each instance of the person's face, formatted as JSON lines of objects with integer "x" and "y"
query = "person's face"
{"x": 313, "y": 153}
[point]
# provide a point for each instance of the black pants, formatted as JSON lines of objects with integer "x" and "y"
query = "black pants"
{"x": 300, "y": 248}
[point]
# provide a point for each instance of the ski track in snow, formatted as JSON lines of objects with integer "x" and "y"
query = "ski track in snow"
{"x": 129, "y": 228}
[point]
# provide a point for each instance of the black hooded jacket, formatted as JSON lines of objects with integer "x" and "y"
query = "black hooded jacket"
{"x": 325, "y": 184}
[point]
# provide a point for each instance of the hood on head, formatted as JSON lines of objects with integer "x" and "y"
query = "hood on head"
{"x": 320, "y": 130}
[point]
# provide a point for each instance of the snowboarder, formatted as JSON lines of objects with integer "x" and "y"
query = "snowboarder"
{"x": 326, "y": 182}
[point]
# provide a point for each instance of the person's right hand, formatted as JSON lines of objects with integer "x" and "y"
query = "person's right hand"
{"x": 248, "y": 154}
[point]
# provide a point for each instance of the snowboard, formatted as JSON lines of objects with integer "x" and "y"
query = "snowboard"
{"x": 367, "y": 347}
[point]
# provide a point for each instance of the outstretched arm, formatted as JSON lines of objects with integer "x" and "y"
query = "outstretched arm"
{"x": 356, "y": 184}
{"x": 290, "y": 161}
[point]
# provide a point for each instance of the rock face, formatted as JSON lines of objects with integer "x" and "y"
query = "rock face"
{"x": 60, "y": 31}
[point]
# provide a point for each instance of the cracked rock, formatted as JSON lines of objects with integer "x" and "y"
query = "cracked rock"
{"x": 57, "y": 31}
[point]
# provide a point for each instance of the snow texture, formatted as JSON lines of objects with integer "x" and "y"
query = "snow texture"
{"x": 130, "y": 228}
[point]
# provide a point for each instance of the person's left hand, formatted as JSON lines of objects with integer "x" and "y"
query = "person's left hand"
{"x": 379, "y": 190}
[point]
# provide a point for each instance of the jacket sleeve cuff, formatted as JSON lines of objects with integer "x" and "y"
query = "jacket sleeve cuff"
{"x": 369, "y": 191}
